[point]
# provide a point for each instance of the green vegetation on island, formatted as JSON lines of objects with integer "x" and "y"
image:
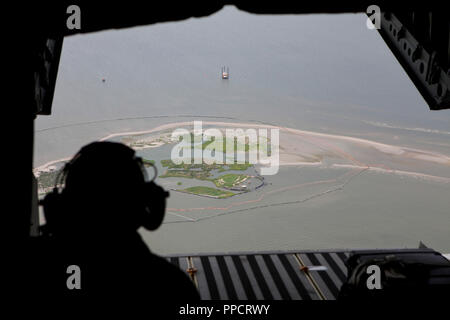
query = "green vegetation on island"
{"x": 198, "y": 171}
{"x": 47, "y": 179}
{"x": 230, "y": 180}
{"x": 190, "y": 174}
{"x": 239, "y": 166}
{"x": 188, "y": 166}
{"x": 207, "y": 191}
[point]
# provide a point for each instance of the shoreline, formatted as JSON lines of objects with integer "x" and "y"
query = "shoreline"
{"x": 293, "y": 159}
{"x": 413, "y": 174}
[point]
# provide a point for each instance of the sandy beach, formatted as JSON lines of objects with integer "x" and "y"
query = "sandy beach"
{"x": 306, "y": 148}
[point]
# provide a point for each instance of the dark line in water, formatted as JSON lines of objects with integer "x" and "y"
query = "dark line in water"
{"x": 149, "y": 117}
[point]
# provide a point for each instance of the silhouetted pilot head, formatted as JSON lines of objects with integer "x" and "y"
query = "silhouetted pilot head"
{"x": 106, "y": 189}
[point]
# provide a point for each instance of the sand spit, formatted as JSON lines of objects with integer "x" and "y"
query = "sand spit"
{"x": 307, "y": 148}
{"x": 419, "y": 175}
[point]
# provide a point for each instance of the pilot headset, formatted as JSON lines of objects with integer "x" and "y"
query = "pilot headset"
{"x": 151, "y": 197}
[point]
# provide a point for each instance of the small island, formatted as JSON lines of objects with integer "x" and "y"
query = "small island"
{"x": 226, "y": 185}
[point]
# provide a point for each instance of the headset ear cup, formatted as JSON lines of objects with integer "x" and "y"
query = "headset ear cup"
{"x": 155, "y": 206}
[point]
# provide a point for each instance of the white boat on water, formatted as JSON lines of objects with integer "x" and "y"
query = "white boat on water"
{"x": 225, "y": 73}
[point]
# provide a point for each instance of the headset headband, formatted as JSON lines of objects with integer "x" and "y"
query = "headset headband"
{"x": 60, "y": 178}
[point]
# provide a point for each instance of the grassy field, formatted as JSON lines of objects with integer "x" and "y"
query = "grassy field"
{"x": 190, "y": 174}
{"x": 169, "y": 164}
{"x": 197, "y": 171}
{"x": 229, "y": 180}
{"x": 238, "y": 166}
{"x": 207, "y": 191}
